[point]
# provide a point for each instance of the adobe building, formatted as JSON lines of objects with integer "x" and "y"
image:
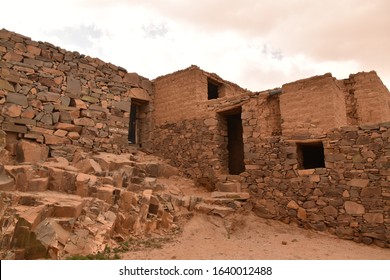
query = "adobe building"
{"x": 315, "y": 152}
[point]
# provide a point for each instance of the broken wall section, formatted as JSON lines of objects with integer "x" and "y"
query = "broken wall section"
{"x": 367, "y": 98}
{"x": 65, "y": 99}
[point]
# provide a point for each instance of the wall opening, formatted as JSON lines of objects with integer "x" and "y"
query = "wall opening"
{"x": 311, "y": 155}
{"x": 232, "y": 129}
{"x": 132, "y": 136}
{"x": 213, "y": 89}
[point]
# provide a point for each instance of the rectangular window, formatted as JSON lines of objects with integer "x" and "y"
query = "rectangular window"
{"x": 213, "y": 88}
{"x": 311, "y": 155}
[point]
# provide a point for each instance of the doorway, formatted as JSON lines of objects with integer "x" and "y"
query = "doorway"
{"x": 232, "y": 123}
{"x": 132, "y": 136}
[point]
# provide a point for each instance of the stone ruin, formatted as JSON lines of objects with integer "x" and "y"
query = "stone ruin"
{"x": 77, "y": 134}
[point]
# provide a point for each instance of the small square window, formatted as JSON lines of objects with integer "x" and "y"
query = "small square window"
{"x": 311, "y": 155}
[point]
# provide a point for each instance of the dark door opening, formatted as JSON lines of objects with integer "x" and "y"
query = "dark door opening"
{"x": 133, "y": 124}
{"x": 235, "y": 144}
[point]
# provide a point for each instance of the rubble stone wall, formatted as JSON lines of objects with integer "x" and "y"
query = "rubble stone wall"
{"x": 349, "y": 197}
{"x": 62, "y": 98}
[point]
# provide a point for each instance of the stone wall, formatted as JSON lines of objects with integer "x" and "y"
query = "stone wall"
{"x": 187, "y": 130}
{"x": 65, "y": 99}
{"x": 349, "y": 197}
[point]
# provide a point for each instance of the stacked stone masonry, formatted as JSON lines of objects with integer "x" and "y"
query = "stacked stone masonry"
{"x": 62, "y": 98}
{"x": 215, "y": 131}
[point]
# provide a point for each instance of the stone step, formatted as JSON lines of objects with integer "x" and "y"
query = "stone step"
{"x": 228, "y": 186}
{"x": 231, "y": 195}
{"x": 221, "y": 211}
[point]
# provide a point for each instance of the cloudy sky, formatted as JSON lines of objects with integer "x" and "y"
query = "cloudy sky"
{"x": 258, "y": 44}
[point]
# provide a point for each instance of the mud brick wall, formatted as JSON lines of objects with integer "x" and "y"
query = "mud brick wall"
{"x": 312, "y": 106}
{"x": 372, "y": 98}
{"x": 184, "y": 95}
{"x": 349, "y": 197}
{"x": 62, "y": 98}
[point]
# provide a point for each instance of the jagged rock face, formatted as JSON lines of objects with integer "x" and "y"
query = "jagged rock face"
{"x": 45, "y": 219}
{"x": 52, "y": 209}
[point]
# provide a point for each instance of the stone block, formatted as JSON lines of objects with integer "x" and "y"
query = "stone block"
{"x": 354, "y": 208}
{"x": 122, "y": 105}
{"x": 84, "y": 122}
{"x": 360, "y": 183}
{"x": 88, "y": 166}
{"x": 16, "y": 98}
{"x": 11, "y": 110}
{"x": 330, "y": 211}
{"x": 62, "y": 180}
{"x": 132, "y": 78}
{"x": 344, "y": 233}
{"x": 38, "y": 184}
{"x": 70, "y": 208}
{"x": 68, "y": 127}
{"x": 231, "y": 195}
{"x": 373, "y": 218}
{"x": 371, "y": 192}
{"x": 89, "y": 99}
{"x": 7, "y": 183}
{"x": 73, "y": 87}
{"x": 106, "y": 193}
{"x": 55, "y": 140}
{"x": 305, "y": 172}
{"x": 27, "y": 151}
{"x": 301, "y": 214}
{"x": 73, "y": 135}
{"x": 84, "y": 182}
{"x": 228, "y": 187}
{"x": 6, "y": 85}
{"x": 293, "y": 205}
{"x": 33, "y": 50}
{"x": 128, "y": 201}
{"x": 139, "y": 94}
{"x": 48, "y": 96}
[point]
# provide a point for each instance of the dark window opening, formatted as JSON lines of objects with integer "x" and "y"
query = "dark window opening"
{"x": 311, "y": 155}
{"x": 212, "y": 90}
{"x": 133, "y": 124}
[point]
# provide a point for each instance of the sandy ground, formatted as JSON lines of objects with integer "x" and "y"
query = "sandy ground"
{"x": 249, "y": 237}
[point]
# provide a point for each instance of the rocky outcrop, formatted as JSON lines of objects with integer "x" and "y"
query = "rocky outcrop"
{"x": 59, "y": 208}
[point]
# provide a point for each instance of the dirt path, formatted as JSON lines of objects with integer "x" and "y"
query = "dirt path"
{"x": 251, "y": 237}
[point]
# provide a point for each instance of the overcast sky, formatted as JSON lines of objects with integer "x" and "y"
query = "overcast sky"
{"x": 258, "y": 44}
